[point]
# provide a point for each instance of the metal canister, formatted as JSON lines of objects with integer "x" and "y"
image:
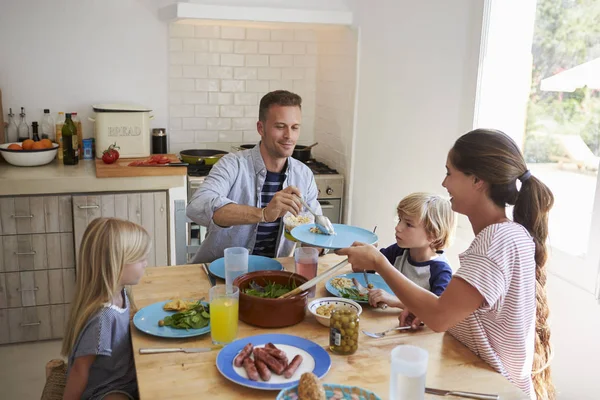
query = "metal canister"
{"x": 159, "y": 141}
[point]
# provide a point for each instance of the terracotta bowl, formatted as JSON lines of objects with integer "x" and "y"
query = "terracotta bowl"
{"x": 271, "y": 313}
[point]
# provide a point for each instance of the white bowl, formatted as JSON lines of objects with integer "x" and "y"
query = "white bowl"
{"x": 28, "y": 158}
{"x": 338, "y": 301}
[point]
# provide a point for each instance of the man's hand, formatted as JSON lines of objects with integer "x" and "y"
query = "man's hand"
{"x": 283, "y": 201}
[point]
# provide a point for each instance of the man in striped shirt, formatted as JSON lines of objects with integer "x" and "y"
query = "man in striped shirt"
{"x": 247, "y": 193}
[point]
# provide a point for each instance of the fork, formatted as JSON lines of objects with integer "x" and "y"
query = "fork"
{"x": 381, "y": 305}
{"x": 378, "y": 335}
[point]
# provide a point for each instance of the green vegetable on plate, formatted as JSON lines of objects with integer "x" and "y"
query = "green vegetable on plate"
{"x": 196, "y": 317}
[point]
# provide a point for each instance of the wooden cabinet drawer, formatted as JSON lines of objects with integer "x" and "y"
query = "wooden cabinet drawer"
{"x": 36, "y": 288}
{"x": 36, "y": 252}
{"x": 29, "y": 323}
{"x": 36, "y": 214}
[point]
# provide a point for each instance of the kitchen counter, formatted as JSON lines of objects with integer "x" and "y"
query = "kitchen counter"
{"x": 58, "y": 178}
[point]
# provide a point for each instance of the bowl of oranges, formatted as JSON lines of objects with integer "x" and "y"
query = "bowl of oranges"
{"x": 29, "y": 153}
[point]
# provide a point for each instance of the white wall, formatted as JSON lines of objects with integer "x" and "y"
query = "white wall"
{"x": 69, "y": 54}
{"x": 418, "y": 65}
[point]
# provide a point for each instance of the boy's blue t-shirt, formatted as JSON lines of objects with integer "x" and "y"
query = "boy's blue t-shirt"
{"x": 433, "y": 275}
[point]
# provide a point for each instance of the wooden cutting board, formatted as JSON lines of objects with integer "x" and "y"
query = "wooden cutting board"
{"x": 121, "y": 169}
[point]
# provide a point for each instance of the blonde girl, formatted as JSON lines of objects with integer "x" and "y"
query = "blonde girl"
{"x": 97, "y": 342}
{"x": 496, "y": 302}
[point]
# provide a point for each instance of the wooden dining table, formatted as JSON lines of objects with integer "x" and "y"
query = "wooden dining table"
{"x": 451, "y": 365}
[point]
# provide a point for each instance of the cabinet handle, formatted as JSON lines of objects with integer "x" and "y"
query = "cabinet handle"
{"x": 35, "y": 289}
{"x": 22, "y": 216}
{"x": 88, "y": 207}
{"x": 326, "y": 207}
{"x": 27, "y": 253}
{"x": 31, "y": 324}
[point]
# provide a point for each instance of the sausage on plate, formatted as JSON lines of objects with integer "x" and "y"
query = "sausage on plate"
{"x": 289, "y": 371}
{"x": 263, "y": 370}
{"x": 250, "y": 369}
{"x": 246, "y": 351}
{"x": 278, "y": 354}
{"x": 274, "y": 364}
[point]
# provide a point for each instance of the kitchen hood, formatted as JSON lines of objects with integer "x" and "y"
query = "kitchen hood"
{"x": 194, "y": 11}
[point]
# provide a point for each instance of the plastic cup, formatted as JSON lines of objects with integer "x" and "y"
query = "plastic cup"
{"x": 408, "y": 372}
{"x": 236, "y": 264}
{"x": 306, "y": 264}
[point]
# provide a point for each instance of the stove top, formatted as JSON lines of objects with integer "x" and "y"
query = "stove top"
{"x": 317, "y": 167}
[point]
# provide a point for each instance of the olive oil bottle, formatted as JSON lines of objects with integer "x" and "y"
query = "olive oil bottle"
{"x": 70, "y": 142}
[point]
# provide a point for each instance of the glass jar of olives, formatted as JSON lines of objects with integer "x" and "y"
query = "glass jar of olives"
{"x": 343, "y": 331}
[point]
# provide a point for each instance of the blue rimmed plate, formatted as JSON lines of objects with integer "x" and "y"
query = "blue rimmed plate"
{"x": 342, "y": 392}
{"x": 315, "y": 360}
{"x": 255, "y": 263}
{"x": 344, "y": 236}
{"x": 146, "y": 320}
{"x": 376, "y": 280}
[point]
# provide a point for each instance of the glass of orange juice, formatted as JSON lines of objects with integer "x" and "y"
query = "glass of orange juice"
{"x": 224, "y": 305}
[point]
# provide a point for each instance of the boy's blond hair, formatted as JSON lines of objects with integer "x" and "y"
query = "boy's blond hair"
{"x": 434, "y": 212}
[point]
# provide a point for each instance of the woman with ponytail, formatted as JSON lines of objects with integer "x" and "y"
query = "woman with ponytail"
{"x": 496, "y": 302}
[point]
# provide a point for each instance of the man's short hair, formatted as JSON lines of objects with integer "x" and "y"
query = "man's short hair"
{"x": 278, "y": 97}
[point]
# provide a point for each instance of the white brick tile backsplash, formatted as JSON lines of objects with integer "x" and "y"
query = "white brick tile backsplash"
{"x": 195, "y": 45}
{"x": 257, "y": 86}
{"x": 294, "y": 48}
{"x": 270, "y": 47}
{"x": 282, "y": 35}
{"x": 251, "y": 111}
{"x": 245, "y": 99}
{"x": 220, "y": 72}
{"x": 231, "y": 136}
{"x": 305, "y": 35}
{"x": 175, "y": 45}
{"x": 181, "y": 58}
{"x": 207, "y": 111}
{"x": 175, "y": 71}
{"x": 175, "y": 98}
{"x": 245, "y": 73}
{"x": 251, "y": 136}
{"x": 195, "y": 98}
{"x": 233, "y": 60}
{"x": 232, "y": 111}
{"x": 181, "y": 30}
{"x": 232, "y": 86}
{"x": 233, "y": 32}
{"x": 195, "y": 71}
{"x": 220, "y": 98}
{"x": 281, "y": 61}
{"x": 206, "y": 136}
{"x": 281, "y": 85}
{"x": 208, "y": 59}
{"x": 292, "y": 73}
{"x": 269, "y": 73}
{"x": 219, "y": 124}
{"x": 209, "y": 32}
{"x": 258, "y": 34}
{"x": 240, "y": 124}
{"x": 179, "y": 136}
{"x": 207, "y": 85}
{"x": 194, "y": 123}
{"x": 177, "y": 147}
{"x": 245, "y": 47}
{"x": 182, "y": 85}
{"x": 257, "y": 61}
{"x": 305, "y": 61}
{"x": 220, "y": 46}
{"x": 311, "y": 48}
{"x": 175, "y": 123}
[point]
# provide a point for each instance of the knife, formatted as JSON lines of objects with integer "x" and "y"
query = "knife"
{"x": 211, "y": 278}
{"x": 178, "y": 350}
{"x": 162, "y": 165}
{"x": 381, "y": 305}
{"x": 466, "y": 395}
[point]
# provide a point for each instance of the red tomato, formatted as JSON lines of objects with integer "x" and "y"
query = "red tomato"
{"x": 108, "y": 157}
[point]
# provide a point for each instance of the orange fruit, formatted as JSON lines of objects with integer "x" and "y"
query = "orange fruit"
{"x": 27, "y": 144}
{"x": 14, "y": 146}
{"x": 38, "y": 146}
{"x": 47, "y": 143}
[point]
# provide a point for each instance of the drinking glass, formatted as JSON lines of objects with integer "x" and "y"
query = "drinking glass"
{"x": 224, "y": 306}
{"x": 306, "y": 263}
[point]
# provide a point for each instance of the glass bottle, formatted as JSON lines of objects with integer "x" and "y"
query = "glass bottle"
{"x": 34, "y": 129}
{"x": 23, "y": 127}
{"x": 343, "y": 331}
{"x": 12, "y": 130}
{"x": 78, "y": 127}
{"x": 69, "y": 140}
{"x": 48, "y": 129}
{"x": 58, "y": 131}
